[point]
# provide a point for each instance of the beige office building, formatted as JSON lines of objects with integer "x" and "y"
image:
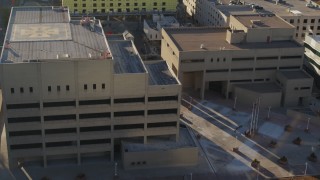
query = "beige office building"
{"x": 70, "y": 93}
{"x": 301, "y": 14}
{"x": 253, "y": 50}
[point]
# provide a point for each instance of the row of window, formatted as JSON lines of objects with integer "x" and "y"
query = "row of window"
{"x": 91, "y": 129}
{"x": 241, "y": 59}
{"x": 251, "y": 69}
{"x": 116, "y": 10}
{"x": 58, "y": 88}
{"x": 120, "y": 4}
{"x": 301, "y": 88}
{"x": 91, "y": 102}
{"x": 91, "y": 115}
{"x": 292, "y": 21}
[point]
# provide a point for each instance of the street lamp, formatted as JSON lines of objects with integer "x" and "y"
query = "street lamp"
{"x": 307, "y": 129}
{"x": 235, "y": 102}
{"x": 269, "y": 108}
{"x": 305, "y": 170}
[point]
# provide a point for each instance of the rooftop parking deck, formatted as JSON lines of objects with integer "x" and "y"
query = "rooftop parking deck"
{"x": 159, "y": 73}
{"x": 282, "y": 8}
{"x": 126, "y": 57}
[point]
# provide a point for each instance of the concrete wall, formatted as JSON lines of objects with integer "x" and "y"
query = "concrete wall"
{"x": 295, "y": 91}
{"x": 152, "y": 34}
{"x": 247, "y": 97}
{"x": 187, "y": 156}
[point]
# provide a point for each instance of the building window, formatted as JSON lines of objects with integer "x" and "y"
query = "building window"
{"x": 305, "y": 21}
{"x": 111, "y": 4}
{"x": 163, "y": 3}
{"x": 85, "y": 87}
{"x": 291, "y": 21}
{"x": 21, "y": 90}
{"x": 58, "y": 88}
{"x": 67, "y": 87}
{"x": 94, "y": 86}
{"x": 31, "y": 89}
{"x": 75, "y": 5}
{"x": 143, "y": 4}
{"x": 84, "y": 5}
{"x": 103, "y": 4}
{"x": 155, "y": 4}
{"x": 49, "y": 88}
{"x": 312, "y": 20}
{"x": 103, "y": 86}
{"x": 119, "y": 4}
{"x": 304, "y": 28}
{"x": 12, "y": 90}
{"x": 136, "y": 4}
{"x": 127, "y": 4}
{"x": 94, "y": 5}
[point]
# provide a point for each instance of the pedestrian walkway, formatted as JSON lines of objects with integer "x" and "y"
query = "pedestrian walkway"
{"x": 225, "y": 139}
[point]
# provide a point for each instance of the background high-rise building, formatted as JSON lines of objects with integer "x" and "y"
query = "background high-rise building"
{"x": 108, "y": 6}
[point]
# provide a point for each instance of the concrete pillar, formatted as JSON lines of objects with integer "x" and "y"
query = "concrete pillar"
{"x": 203, "y": 86}
{"x": 45, "y": 163}
{"x": 227, "y": 90}
{"x": 145, "y": 140}
{"x": 112, "y": 150}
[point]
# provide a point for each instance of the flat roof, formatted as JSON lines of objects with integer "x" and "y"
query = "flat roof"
{"x": 159, "y": 73}
{"x": 46, "y": 33}
{"x": 261, "y": 87}
{"x": 282, "y": 8}
{"x": 126, "y": 58}
{"x": 297, "y": 74}
{"x": 158, "y": 143}
{"x": 262, "y": 21}
{"x": 214, "y": 39}
{"x": 235, "y": 9}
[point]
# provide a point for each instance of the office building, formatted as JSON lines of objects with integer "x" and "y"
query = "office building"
{"x": 70, "y": 93}
{"x": 255, "y": 49}
{"x": 152, "y": 28}
{"x": 312, "y": 57}
{"x": 118, "y": 6}
{"x": 301, "y": 14}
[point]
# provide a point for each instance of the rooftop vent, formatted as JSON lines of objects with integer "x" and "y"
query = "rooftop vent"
{"x": 63, "y": 56}
{"x": 256, "y": 21}
{"x": 202, "y": 46}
